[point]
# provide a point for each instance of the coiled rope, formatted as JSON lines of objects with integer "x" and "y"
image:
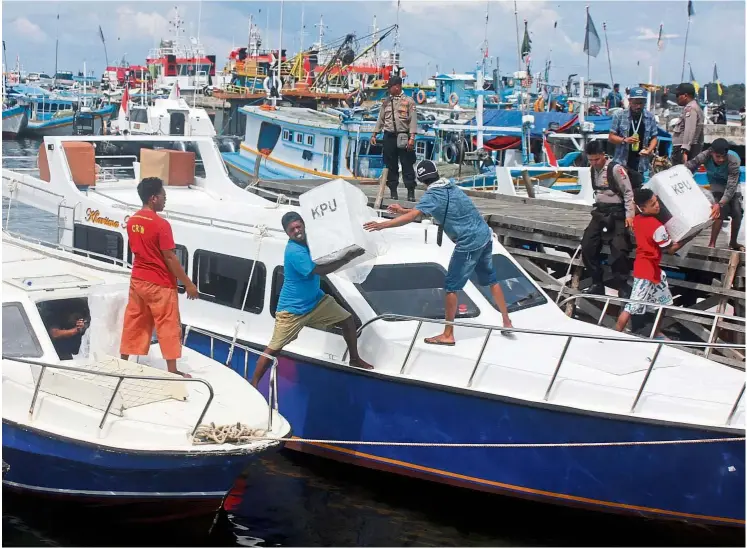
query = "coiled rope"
{"x": 241, "y": 434}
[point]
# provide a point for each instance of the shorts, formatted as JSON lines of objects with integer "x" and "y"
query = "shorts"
{"x": 463, "y": 264}
{"x": 650, "y": 292}
{"x": 149, "y": 306}
{"x": 730, "y": 208}
{"x": 287, "y": 325}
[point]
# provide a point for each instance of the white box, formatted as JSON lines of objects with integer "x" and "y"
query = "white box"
{"x": 334, "y": 214}
{"x": 685, "y": 210}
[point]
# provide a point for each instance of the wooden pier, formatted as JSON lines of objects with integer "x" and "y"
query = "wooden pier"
{"x": 544, "y": 236}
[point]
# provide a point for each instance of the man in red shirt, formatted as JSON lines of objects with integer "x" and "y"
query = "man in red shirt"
{"x": 650, "y": 282}
{"x": 154, "y": 299}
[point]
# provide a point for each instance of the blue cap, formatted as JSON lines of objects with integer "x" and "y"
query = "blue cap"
{"x": 638, "y": 93}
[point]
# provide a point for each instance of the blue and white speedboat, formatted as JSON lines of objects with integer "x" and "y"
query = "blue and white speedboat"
{"x": 106, "y": 433}
{"x": 585, "y": 415}
{"x": 298, "y": 143}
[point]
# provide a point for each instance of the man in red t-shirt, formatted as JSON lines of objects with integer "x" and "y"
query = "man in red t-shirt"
{"x": 650, "y": 282}
{"x": 153, "y": 296}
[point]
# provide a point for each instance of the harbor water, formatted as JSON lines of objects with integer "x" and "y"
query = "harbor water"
{"x": 292, "y": 499}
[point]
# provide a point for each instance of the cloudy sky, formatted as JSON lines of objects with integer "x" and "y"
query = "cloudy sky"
{"x": 442, "y": 36}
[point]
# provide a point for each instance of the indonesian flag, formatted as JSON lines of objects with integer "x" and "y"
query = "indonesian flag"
{"x": 174, "y": 91}
{"x": 548, "y": 152}
{"x": 125, "y": 98}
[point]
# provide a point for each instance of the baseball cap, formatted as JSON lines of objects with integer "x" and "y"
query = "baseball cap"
{"x": 685, "y": 88}
{"x": 638, "y": 93}
{"x": 426, "y": 170}
{"x": 394, "y": 81}
{"x": 720, "y": 146}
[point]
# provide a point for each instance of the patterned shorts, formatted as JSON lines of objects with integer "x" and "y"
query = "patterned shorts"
{"x": 650, "y": 292}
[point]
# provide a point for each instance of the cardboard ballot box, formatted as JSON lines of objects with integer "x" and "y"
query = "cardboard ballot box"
{"x": 175, "y": 168}
{"x": 334, "y": 214}
{"x": 685, "y": 209}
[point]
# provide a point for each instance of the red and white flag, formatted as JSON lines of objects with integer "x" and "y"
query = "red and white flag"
{"x": 125, "y": 97}
{"x": 548, "y": 152}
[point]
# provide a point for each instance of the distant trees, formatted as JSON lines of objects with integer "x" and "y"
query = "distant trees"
{"x": 733, "y": 95}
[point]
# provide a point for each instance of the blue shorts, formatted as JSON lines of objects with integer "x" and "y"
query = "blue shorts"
{"x": 463, "y": 264}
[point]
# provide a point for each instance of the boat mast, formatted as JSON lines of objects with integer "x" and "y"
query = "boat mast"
{"x": 609, "y": 59}
{"x": 485, "y": 42}
{"x": 518, "y": 44}
{"x": 56, "y": 46}
{"x": 303, "y": 27}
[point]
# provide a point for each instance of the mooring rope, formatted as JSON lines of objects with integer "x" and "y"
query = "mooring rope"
{"x": 242, "y": 434}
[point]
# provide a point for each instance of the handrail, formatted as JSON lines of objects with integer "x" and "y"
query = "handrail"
{"x": 272, "y": 396}
{"x": 568, "y": 335}
{"x": 120, "y": 377}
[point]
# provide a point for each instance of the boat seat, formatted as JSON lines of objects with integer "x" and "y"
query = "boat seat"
{"x": 174, "y": 168}
{"x": 81, "y": 157}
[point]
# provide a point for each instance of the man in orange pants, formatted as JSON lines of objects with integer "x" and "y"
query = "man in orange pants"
{"x": 154, "y": 300}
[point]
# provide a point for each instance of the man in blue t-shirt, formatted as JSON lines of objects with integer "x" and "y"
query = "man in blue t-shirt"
{"x": 464, "y": 225}
{"x": 302, "y": 301}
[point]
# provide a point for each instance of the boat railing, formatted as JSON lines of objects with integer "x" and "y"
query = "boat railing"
{"x": 569, "y": 337}
{"x": 120, "y": 379}
{"x": 272, "y": 394}
{"x": 607, "y": 299}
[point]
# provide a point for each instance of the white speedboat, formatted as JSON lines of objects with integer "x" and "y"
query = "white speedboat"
{"x": 102, "y": 432}
{"x": 588, "y": 416}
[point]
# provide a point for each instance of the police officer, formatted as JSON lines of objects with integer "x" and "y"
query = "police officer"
{"x": 400, "y": 124}
{"x": 612, "y": 215}
{"x": 687, "y": 137}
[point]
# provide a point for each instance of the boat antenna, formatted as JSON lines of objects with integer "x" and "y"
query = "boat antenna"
{"x": 303, "y": 26}
{"x": 321, "y": 26}
{"x": 609, "y": 59}
{"x": 690, "y": 13}
{"x": 518, "y": 44}
{"x": 279, "y": 65}
{"x": 56, "y": 45}
{"x": 199, "y": 21}
{"x": 485, "y": 43}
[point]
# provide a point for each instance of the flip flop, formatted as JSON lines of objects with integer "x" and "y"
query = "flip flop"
{"x": 443, "y": 343}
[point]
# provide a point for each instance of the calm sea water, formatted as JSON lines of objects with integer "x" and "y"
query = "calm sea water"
{"x": 291, "y": 499}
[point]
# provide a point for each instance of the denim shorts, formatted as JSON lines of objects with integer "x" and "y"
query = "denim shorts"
{"x": 463, "y": 264}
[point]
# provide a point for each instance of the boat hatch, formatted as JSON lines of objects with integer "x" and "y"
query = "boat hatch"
{"x": 49, "y": 282}
{"x": 178, "y": 122}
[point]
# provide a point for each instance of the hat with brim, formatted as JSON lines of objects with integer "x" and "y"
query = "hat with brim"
{"x": 685, "y": 88}
{"x": 638, "y": 93}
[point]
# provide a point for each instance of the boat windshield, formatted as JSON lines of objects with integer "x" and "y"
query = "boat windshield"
{"x": 19, "y": 339}
{"x": 412, "y": 289}
{"x": 519, "y": 291}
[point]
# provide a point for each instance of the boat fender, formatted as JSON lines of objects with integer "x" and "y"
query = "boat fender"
{"x": 420, "y": 97}
{"x": 453, "y": 99}
{"x": 451, "y": 153}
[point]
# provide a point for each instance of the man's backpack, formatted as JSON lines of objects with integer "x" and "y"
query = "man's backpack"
{"x": 636, "y": 178}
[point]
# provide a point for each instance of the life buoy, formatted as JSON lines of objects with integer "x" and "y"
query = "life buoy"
{"x": 420, "y": 97}
{"x": 451, "y": 153}
{"x": 277, "y": 82}
{"x": 453, "y": 99}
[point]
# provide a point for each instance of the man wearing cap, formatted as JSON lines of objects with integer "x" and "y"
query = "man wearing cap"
{"x": 302, "y": 301}
{"x": 397, "y": 118}
{"x": 687, "y": 138}
{"x": 614, "y": 99}
{"x": 633, "y": 132}
{"x": 473, "y": 239}
{"x": 722, "y": 168}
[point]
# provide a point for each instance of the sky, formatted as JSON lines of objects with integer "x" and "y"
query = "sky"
{"x": 435, "y": 36}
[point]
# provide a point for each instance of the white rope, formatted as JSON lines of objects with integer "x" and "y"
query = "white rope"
{"x": 234, "y": 432}
{"x": 13, "y": 187}
{"x": 568, "y": 272}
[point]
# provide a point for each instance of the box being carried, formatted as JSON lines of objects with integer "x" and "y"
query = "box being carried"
{"x": 685, "y": 209}
{"x": 334, "y": 214}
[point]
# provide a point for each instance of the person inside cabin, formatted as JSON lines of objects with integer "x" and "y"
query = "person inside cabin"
{"x": 303, "y": 303}
{"x": 612, "y": 215}
{"x": 153, "y": 300}
{"x": 398, "y": 119}
{"x": 67, "y": 332}
{"x": 722, "y": 169}
{"x": 687, "y": 137}
{"x": 614, "y": 99}
{"x": 461, "y": 221}
{"x": 634, "y": 134}
{"x": 649, "y": 281}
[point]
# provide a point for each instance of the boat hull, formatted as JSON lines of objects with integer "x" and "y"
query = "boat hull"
{"x": 691, "y": 482}
{"x": 14, "y": 122}
{"x": 150, "y": 486}
{"x": 63, "y": 126}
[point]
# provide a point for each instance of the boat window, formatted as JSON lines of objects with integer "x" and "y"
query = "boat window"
{"x": 287, "y": 135}
{"x": 63, "y": 314}
{"x": 420, "y": 148}
{"x": 327, "y": 288}
{"x": 268, "y": 137}
{"x": 19, "y": 339}
{"x": 412, "y": 289}
{"x": 223, "y": 279}
{"x": 139, "y": 115}
{"x": 181, "y": 254}
{"x": 299, "y": 138}
{"x": 53, "y": 107}
{"x": 99, "y": 241}
{"x": 310, "y": 140}
{"x": 519, "y": 291}
{"x": 328, "y": 144}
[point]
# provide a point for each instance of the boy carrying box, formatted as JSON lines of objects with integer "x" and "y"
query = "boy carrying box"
{"x": 650, "y": 282}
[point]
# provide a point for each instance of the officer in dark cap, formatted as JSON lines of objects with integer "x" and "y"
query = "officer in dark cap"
{"x": 687, "y": 137}
{"x": 400, "y": 124}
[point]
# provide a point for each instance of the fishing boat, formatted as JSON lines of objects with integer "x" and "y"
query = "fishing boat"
{"x": 15, "y": 119}
{"x": 298, "y": 143}
{"x": 55, "y": 115}
{"x": 94, "y": 430}
{"x": 586, "y": 416}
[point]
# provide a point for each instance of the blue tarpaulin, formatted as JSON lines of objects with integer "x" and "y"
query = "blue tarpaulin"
{"x": 542, "y": 120}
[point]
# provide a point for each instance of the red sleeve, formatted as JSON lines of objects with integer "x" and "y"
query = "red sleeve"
{"x": 165, "y": 236}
